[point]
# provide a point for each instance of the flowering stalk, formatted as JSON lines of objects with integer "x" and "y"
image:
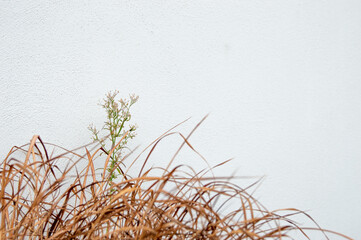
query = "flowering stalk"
{"x": 117, "y": 125}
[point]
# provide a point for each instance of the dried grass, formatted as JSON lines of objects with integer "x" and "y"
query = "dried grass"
{"x": 40, "y": 200}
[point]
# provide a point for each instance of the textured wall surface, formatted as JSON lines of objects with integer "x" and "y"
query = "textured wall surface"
{"x": 280, "y": 79}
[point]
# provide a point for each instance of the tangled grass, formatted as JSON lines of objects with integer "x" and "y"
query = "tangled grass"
{"x": 40, "y": 200}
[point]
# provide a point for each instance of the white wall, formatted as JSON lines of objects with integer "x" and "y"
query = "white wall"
{"x": 281, "y": 80}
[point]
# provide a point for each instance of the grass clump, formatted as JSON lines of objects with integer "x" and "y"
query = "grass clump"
{"x": 40, "y": 200}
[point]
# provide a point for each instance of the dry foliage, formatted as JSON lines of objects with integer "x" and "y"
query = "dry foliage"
{"x": 39, "y": 200}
